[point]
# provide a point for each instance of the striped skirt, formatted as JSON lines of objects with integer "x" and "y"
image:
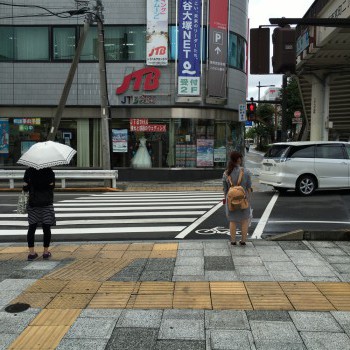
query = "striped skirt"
{"x": 42, "y": 215}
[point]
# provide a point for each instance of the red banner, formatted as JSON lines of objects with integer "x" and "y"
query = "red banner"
{"x": 149, "y": 128}
{"x": 138, "y": 121}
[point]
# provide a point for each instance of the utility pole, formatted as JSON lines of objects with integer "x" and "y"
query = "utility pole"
{"x": 105, "y": 112}
{"x": 59, "y": 111}
{"x": 284, "y": 109}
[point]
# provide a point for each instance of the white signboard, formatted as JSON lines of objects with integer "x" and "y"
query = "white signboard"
{"x": 242, "y": 114}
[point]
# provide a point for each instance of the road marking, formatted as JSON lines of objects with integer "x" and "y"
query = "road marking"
{"x": 109, "y": 203}
{"x": 190, "y": 228}
{"x": 96, "y": 230}
{"x": 259, "y": 229}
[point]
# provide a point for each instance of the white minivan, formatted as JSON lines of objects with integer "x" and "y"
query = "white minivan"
{"x": 306, "y": 166}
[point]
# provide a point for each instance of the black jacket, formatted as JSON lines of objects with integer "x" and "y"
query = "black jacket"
{"x": 40, "y": 186}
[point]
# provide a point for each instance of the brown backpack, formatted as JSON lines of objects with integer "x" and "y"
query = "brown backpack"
{"x": 236, "y": 196}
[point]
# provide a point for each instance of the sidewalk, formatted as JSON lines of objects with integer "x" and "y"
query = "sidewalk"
{"x": 188, "y": 295}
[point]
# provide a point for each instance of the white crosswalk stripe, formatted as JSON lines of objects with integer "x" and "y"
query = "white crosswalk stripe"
{"x": 123, "y": 213}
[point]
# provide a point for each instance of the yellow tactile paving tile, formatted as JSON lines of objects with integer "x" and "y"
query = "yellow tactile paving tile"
{"x": 156, "y": 288}
{"x": 231, "y": 301}
{"x": 270, "y": 302}
{"x": 82, "y": 287}
{"x": 85, "y": 254}
{"x": 331, "y": 288}
{"x": 70, "y": 301}
{"x": 141, "y": 246}
{"x": 227, "y": 288}
{"x": 192, "y": 301}
{"x": 47, "y": 286}
{"x": 9, "y": 250}
{"x": 64, "y": 248}
{"x": 299, "y": 288}
{"x": 153, "y": 301}
{"x": 340, "y": 302}
{"x": 61, "y": 255}
{"x": 263, "y": 288}
{"x": 39, "y": 337}
{"x": 163, "y": 254}
{"x": 113, "y": 246}
{"x": 165, "y": 246}
{"x": 192, "y": 287}
{"x": 85, "y": 247}
{"x": 7, "y": 256}
{"x": 109, "y": 301}
{"x": 36, "y": 300}
{"x": 310, "y": 302}
{"x": 56, "y": 317}
{"x": 119, "y": 287}
{"x": 110, "y": 254}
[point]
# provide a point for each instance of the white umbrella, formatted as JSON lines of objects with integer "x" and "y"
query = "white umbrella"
{"x": 47, "y": 154}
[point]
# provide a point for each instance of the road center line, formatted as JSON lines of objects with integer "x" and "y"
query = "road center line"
{"x": 259, "y": 229}
{"x": 190, "y": 228}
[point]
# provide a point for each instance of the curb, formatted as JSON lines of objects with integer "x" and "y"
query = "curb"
{"x": 301, "y": 235}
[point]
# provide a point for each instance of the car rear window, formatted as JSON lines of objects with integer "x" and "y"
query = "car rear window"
{"x": 330, "y": 151}
{"x": 277, "y": 151}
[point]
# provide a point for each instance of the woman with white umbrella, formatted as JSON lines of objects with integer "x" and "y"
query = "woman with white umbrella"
{"x": 39, "y": 180}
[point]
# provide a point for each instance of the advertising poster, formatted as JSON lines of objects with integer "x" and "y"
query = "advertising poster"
{"x": 189, "y": 48}
{"x": 4, "y": 136}
{"x": 157, "y": 33}
{"x": 220, "y": 154}
{"x": 25, "y": 145}
{"x": 205, "y": 152}
{"x": 217, "y": 43}
{"x": 120, "y": 140}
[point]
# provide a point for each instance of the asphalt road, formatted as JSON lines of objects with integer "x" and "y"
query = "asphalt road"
{"x": 183, "y": 215}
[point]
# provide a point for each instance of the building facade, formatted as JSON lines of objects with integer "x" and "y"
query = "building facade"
{"x": 176, "y": 76}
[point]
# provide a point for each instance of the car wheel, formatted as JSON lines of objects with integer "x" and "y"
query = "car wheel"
{"x": 280, "y": 189}
{"x": 306, "y": 185}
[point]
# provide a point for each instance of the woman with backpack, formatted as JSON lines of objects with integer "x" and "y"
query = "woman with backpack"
{"x": 237, "y": 189}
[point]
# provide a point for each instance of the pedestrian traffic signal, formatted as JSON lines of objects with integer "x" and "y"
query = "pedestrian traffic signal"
{"x": 251, "y": 111}
{"x": 284, "y": 50}
{"x": 259, "y": 49}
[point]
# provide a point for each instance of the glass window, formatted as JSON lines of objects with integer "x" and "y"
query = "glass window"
{"x": 232, "y": 50}
{"x": 236, "y": 52}
{"x": 90, "y": 49}
{"x": 7, "y": 42}
{"x": 277, "y": 151}
{"x": 63, "y": 43}
{"x": 125, "y": 43}
{"x": 302, "y": 152}
{"x": 348, "y": 151}
{"x": 241, "y": 52}
{"x": 330, "y": 151}
{"x": 32, "y": 43}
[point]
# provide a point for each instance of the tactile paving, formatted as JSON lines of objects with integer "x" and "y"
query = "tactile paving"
{"x": 70, "y": 301}
{"x": 109, "y": 301}
{"x": 310, "y": 302}
{"x": 35, "y": 300}
{"x": 56, "y": 317}
{"x": 156, "y": 288}
{"x": 153, "y": 301}
{"x": 82, "y": 287}
{"x": 231, "y": 301}
{"x": 192, "y": 301}
{"x": 227, "y": 288}
{"x": 192, "y": 287}
{"x": 47, "y": 286}
{"x": 119, "y": 287}
{"x": 270, "y": 302}
{"x": 267, "y": 288}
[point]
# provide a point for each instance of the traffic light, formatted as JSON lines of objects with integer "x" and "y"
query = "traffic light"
{"x": 284, "y": 50}
{"x": 259, "y": 48}
{"x": 251, "y": 111}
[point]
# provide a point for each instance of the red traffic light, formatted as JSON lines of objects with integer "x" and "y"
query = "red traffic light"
{"x": 251, "y": 110}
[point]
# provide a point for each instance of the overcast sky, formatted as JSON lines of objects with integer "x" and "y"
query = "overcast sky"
{"x": 259, "y": 12}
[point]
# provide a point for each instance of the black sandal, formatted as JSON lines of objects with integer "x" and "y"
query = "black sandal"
{"x": 233, "y": 243}
{"x": 242, "y": 243}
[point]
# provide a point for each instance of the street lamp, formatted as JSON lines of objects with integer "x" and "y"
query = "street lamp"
{"x": 260, "y": 86}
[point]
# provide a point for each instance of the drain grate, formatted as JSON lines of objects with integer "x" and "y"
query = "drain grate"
{"x": 18, "y": 307}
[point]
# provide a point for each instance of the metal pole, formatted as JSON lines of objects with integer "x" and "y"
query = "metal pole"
{"x": 57, "y": 118}
{"x": 284, "y": 109}
{"x": 106, "y": 156}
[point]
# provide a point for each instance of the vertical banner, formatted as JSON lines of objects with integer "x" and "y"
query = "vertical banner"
{"x": 157, "y": 33}
{"x": 189, "y": 47}
{"x": 217, "y": 44}
{"x": 4, "y": 136}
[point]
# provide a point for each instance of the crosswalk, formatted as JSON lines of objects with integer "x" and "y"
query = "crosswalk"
{"x": 168, "y": 214}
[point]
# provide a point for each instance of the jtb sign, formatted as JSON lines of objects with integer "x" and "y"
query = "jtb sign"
{"x": 151, "y": 81}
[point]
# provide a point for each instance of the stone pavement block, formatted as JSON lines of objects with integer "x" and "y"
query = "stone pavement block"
{"x": 8, "y": 296}
{"x": 218, "y": 263}
{"x": 183, "y": 314}
{"x": 252, "y": 270}
{"x": 184, "y": 270}
{"x": 222, "y": 244}
{"x": 221, "y": 276}
{"x": 190, "y": 245}
{"x": 265, "y": 315}
{"x": 156, "y": 275}
{"x": 92, "y": 328}
{"x": 6, "y": 340}
{"x": 247, "y": 260}
{"x": 279, "y": 346}
{"x": 15, "y": 323}
{"x": 182, "y": 329}
{"x": 19, "y": 274}
{"x": 292, "y": 245}
{"x": 315, "y": 322}
{"x": 342, "y": 268}
{"x": 180, "y": 344}
{"x": 16, "y": 284}
{"x": 182, "y": 278}
{"x": 160, "y": 264}
{"x": 101, "y": 313}
{"x": 315, "y": 271}
{"x": 334, "y": 259}
{"x": 265, "y": 256}
{"x": 280, "y": 266}
{"x": 217, "y": 252}
{"x": 323, "y": 244}
{"x": 41, "y": 265}
{"x": 187, "y": 260}
{"x": 309, "y": 262}
{"x": 192, "y": 252}
{"x": 331, "y": 251}
{"x": 78, "y": 344}
{"x": 231, "y": 340}
{"x": 226, "y": 319}
{"x": 287, "y": 276}
{"x": 132, "y": 339}
{"x": 140, "y": 318}
{"x": 273, "y": 332}
{"x": 343, "y": 318}
{"x": 325, "y": 340}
